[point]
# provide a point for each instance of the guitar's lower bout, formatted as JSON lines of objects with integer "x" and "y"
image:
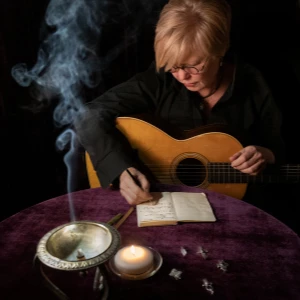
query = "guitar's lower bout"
{"x": 182, "y": 161}
{"x": 192, "y": 160}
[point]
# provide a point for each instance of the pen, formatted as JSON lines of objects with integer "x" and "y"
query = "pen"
{"x": 138, "y": 184}
{"x": 133, "y": 178}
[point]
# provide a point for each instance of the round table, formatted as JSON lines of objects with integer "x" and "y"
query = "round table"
{"x": 263, "y": 254}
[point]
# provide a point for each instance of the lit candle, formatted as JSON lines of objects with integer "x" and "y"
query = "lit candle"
{"x": 133, "y": 260}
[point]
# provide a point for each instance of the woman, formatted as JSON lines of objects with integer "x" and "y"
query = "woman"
{"x": 195, "y": 80}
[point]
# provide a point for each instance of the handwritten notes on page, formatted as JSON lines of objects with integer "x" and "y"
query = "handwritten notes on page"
{"x": 169, "y": 208}
{"x": 161, "y": 210}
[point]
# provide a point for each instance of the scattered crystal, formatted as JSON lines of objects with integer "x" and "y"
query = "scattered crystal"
{"x": 208, "y": 286}
{"x": 203, "y": 252}
{"x": 222, "y": 265}
{"x": 183, "y": 251}
{"x": 175, "y": 274}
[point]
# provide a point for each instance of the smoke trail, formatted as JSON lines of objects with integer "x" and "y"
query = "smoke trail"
{"x": 69, "y": 58}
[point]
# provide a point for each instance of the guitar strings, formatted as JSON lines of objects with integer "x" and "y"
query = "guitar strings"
{"x": 220, "y": 169}
{"x": 219, "y": 166}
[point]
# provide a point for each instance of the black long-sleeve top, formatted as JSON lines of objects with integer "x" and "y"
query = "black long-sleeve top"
{"x": 247, "y": 106}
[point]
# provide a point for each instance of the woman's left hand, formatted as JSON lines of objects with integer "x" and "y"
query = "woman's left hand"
{"x": 252, "y": 159}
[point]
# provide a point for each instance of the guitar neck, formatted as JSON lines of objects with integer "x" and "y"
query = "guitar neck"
{"x": 224, "y": 173}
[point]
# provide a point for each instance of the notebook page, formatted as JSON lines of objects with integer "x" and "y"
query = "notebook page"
{"x": 163, "y": 210}
{"x": 192, "y": 207}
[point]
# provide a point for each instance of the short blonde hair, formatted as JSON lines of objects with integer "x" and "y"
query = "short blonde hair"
{"x": 186, "y": 27}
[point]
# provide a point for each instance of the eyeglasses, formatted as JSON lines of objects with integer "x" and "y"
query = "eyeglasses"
{"x": 190, "y": 69}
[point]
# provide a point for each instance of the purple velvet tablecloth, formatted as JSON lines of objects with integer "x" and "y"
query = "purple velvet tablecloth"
{"x": 263, "y": 253}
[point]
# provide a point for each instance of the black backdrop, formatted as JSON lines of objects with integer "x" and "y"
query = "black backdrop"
{"x": 265, "y": 33}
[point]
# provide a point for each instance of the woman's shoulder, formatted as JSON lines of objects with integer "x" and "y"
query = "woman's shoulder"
{"x": 150, "y": 71}
{"x": 249, "y": 74}
{"x": 242, "y": 68}
{"x": 153, "y": 77}
{"x": 249, "y": 69}
{"x": 245, "y": 66}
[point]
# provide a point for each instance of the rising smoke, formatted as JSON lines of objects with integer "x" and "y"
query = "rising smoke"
{"x": 69, "y": 58}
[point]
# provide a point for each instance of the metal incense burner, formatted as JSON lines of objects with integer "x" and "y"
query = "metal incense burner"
{"x": 78, "y": 246}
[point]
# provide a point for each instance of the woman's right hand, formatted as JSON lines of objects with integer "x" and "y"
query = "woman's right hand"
{"x": 134, "y": 190}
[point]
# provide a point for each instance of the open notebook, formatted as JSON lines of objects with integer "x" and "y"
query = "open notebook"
{"x": 169, "y": 208}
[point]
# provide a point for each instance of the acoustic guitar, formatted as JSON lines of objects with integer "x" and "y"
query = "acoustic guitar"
{"x": 197, "y": 157}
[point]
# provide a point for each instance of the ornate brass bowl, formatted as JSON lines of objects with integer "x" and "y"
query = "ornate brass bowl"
{"x": 78, "y": 245}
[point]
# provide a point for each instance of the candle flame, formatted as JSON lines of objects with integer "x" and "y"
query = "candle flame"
{"x": 132, "y": 250}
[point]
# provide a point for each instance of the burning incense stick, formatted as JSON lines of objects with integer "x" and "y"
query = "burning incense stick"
{"x": 115, "y": 219}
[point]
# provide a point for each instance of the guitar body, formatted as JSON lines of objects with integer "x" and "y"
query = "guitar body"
{"x": 182, "y": 160}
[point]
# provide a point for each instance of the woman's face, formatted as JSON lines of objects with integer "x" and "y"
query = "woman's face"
{"x": 205, "y": 78}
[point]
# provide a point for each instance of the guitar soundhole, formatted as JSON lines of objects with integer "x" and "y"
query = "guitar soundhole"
{"x": 191, "y": 172}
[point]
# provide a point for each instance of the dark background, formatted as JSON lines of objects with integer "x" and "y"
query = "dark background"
{"x": 32, "y": 170}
